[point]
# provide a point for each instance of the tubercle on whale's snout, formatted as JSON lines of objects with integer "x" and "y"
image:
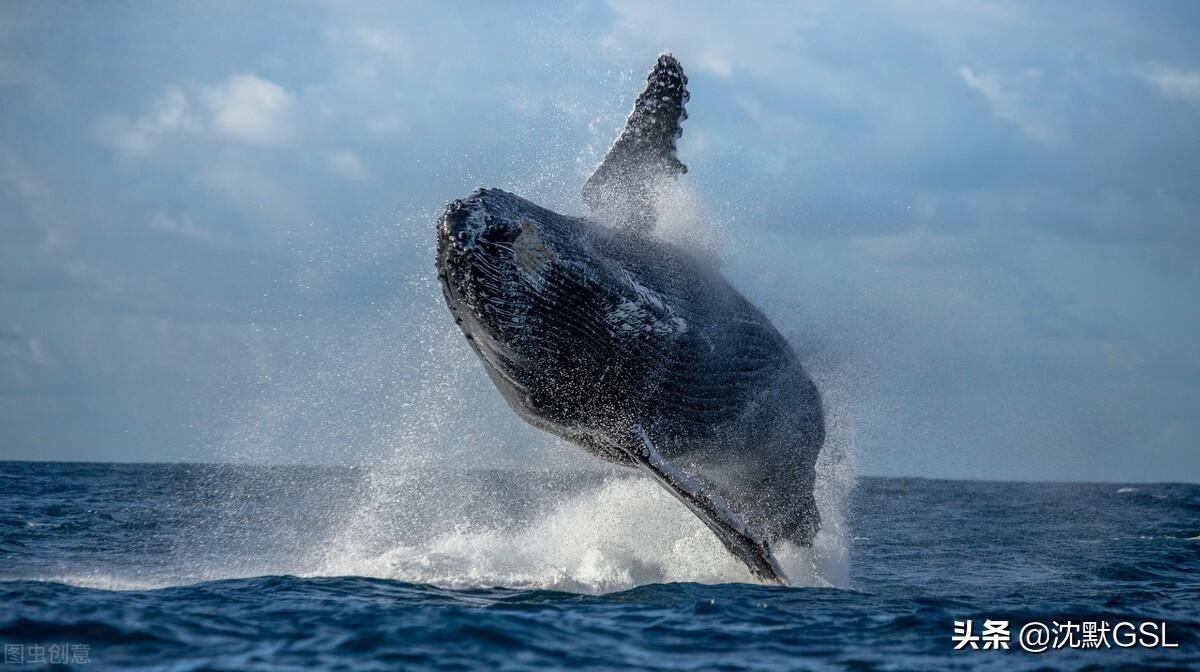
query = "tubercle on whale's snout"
{"x": 456, "y": 227}
{"x": 449, "y": 260}
{"x": 486, "y": 215}
{"x": 475, "y": 238}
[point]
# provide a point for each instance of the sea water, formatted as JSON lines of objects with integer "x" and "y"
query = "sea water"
{"x": 117, "y": 566}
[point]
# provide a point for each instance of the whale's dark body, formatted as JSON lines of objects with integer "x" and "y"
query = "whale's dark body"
{"x": 637, "y": 349}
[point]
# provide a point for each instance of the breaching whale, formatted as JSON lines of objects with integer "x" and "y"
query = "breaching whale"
{"x": 635, "y": 348}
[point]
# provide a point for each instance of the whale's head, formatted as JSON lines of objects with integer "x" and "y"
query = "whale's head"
{"x": 532, "y": 297}
{"x": 496, "y": 253}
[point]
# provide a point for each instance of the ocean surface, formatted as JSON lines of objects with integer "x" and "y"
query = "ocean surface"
{"x": 114, "y": 566}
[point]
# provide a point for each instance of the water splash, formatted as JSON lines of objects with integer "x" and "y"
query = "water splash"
{"x": 626, "y": 531}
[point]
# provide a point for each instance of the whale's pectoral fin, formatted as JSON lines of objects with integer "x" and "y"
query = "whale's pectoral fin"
{"x": 623, "y": 187}
{"x": 743, "y": 541}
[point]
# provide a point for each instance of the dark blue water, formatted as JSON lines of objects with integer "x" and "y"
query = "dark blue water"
{"x": 191, "y": 567}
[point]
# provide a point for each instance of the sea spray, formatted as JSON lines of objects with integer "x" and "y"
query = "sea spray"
{"x": 616, "y": 533}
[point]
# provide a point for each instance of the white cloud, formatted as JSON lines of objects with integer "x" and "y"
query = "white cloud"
{"x": 346, "y": 164}
{"x": 42, "y": 204}
{"x": 171, "y": 113}
{"x": 1180, "y": 84}
{"x": 14, "y": 172}
{"x": 250, "y": 109}
{"x": 184, "y": 226}
{"x": 1008, "y": 103}
{"x": 715, "y": 63}
{"x": 382, "y": 40}
{"x": 19, "y": 353}
{"x": 719, "y": 40}
{"x": 245, "y": 108}
{"x": 371, "y": 55}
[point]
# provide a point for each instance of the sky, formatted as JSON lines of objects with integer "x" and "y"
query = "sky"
{"x": 977, "y": 221}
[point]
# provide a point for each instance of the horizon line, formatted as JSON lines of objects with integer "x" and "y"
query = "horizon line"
{"x": 323, "y": 465}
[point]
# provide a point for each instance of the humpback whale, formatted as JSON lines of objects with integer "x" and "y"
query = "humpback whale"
{"x": 637, "y": 349}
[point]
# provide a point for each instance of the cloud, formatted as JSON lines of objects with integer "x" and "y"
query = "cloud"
{"x": 382, "y": 40}
{"x": 1179, "y": 84}
{"x": 38, "y": 210}
{"x": 1009, "y": 103}
{"x": 184, "y": 226}
{"x": 250, "y": 109}
{"x": 347, "y": 164}
{"x": 712, "y": 39}
{"x": 244, "y": 108}
{"x": 20, "y": 357}
{"x": 13, "y": 172}
{"x": 170, "y": 113}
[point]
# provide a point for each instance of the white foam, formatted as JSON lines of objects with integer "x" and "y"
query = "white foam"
{"x": 625, "y": 533}
{"x": 103, "y": 581}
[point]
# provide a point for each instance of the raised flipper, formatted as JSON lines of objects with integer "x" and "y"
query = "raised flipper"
{"x": 743, "y": 541}
{"x": 622, "y": 189}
